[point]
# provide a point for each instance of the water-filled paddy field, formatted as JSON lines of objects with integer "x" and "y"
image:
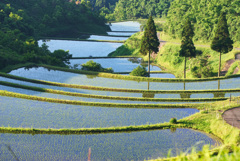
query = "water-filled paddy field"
{"x": 81, "y": 79}
{"x": 27, "y": 113}
{"x": 16, "y": 112}
{"x": 116, "y": 146}
{"x": 119, "y": 94}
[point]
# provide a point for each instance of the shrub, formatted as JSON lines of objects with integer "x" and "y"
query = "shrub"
{"x": 93, "y": 66}
{"x": 173, "y": 120}
{"x": 139, "y": 71}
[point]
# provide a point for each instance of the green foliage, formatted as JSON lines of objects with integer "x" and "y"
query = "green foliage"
{"x": 150, "y": 42}
{"x": 187, "y": 46}
{"x": 93, "y": 66}
{"x": 204, "y": 15}
{"x": 132, "y": 9}
{"x": 139, "y": 71}
{"x": 22, "y": 22}
{"x": 222, "y": 42}
{"x": 201, "y": 67}
{"x": 173, "y": 120}
{"x": 51, "y": 18}
{"x": 130, "y": 47}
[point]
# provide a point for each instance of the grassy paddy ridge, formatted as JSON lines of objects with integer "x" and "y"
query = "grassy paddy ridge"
{"x": 110, "y": 97}
{"x": 134, "y": 78}
{"x": 115, "y": 89}
{"x": 126, "y": 77}
{"x": 73, "y": 102}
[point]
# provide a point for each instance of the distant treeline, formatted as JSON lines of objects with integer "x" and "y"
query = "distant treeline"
{"x": 204, "y": 15}
{"x": 22, "y": 22}
{"x": 55, "y": 17}
{"x": 98, "y": 4}
{"x": 134, "y": 9}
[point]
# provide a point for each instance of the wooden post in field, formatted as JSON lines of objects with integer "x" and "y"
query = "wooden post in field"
{"x": 89, "y": 154}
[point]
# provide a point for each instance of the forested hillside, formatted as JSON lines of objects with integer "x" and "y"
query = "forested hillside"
{"x": 129, "y": 9}
{"x": 204, "y": 15}
{"x": 23, "y": 22}
{"x": 58, "y": 17}
{"x": 98, "y": 4}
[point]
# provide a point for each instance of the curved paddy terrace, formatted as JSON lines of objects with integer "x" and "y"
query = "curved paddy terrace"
{"x": 81, "y": 79}
{"x": 74, "y": 116}
{"x": 116, "y": 146}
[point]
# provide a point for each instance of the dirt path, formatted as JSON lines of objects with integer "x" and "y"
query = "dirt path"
{"x": 228, "y": 65}
{"x": 232, "y": 117}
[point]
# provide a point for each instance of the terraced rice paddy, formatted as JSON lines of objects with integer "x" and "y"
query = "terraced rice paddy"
{"x": 116, "y": 146}
{"x": 25, "y": 113}
{"x": 72, "y": 78}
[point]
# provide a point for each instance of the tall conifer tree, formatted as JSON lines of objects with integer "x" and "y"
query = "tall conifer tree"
{"x": 187, "y": 46}
{"x": 150, "y": 42}
{"x": 222, "y": 43}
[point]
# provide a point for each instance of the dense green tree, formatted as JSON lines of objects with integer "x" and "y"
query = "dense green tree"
{"x": 187, "y": 46}
{"x": 204, "y": 16}
{"x": 139, "y": 71}
{"x": 149, "y": 42}
{"x": 222, "y": 42}
{"x": 131, "y": 9}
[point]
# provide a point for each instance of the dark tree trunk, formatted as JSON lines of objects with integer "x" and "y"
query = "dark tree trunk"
{"x": 219, "y": 68}
{"x": 185, "y": 67}
{"x": 149, "y": 64}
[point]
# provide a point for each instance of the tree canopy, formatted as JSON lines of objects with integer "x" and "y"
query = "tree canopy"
{"x": 52, "y": 18}
{"x": 149, "y": 42}
{"x": 187, "y": 46}
{"x": 130, "y": 9}
{"x": 222, "y": 42}
{"x": 23, "y": 22}
{"x": 204, "y": 16}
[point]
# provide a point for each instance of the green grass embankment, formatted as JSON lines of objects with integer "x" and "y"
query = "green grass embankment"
{"x": 130, "y": 47}
{"x": 210, "y": 120}
{"x": 135, "y": 78}
{"x": 168, "y": 57}
{"x": 73, "y": 102}
{"x": 88, "y": 130}
{"x": 110, "y": 97}
{"x": 116, "y": 89}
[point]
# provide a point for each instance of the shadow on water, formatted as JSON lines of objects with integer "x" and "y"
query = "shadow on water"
{"x": 148, "y": 94}
{"x": 185, "y": 95}
{"x": 11, "y": 151}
